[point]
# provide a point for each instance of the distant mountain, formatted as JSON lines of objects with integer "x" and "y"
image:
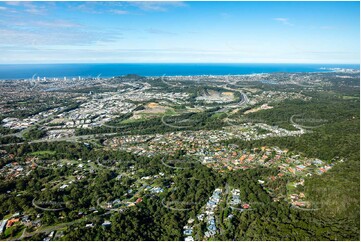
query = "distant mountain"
{"x": 129, "y": 78}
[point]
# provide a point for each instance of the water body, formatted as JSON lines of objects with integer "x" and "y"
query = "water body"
{"x": 17, "y": 71}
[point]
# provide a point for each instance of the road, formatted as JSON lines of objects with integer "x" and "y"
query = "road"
{"x": 244, "y": 100}
{"x": 67, "y": 139}
{"x": 23, "y": 131}
{"x": 48, "y": 229}
{"x": 45, "y": 209}
{"x": 174, "y": 126}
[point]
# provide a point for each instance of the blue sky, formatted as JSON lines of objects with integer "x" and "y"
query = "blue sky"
{"x": 161, "y": 32}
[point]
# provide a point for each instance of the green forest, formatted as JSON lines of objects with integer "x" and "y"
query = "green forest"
{"x": 108, "y": 174}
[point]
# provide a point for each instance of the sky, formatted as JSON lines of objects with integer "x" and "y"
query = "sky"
{"x": 180, "y": 32}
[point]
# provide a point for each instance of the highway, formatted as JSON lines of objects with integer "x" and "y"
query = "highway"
{"x": 67, "y": 139}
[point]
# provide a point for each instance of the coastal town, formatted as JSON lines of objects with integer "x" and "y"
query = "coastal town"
{"x": 186, "y": 122}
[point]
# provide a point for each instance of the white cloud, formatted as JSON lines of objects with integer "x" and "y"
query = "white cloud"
{"x": 65, "y": 55}
{"x": 13, "y": 3}
{"x": 30, "y": 7}
{"x": 157, "y": 6}
{"x": 87, "y": 7}
{"x": 99, "y": 7}
{"x": 56, "y": 24}
{"x": 48, "y": 36}
{"x": 284, "y": 21}
{"x": 118, "y": 11}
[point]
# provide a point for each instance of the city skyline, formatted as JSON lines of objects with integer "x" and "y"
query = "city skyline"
{"x": 179, "y": 32}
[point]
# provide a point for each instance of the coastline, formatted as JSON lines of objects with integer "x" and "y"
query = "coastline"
{"x": 30, "y": 71}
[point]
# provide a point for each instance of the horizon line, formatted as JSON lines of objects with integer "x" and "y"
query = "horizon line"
{"x": 170, "y": 63}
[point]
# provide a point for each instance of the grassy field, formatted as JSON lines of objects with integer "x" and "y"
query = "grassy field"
{"x": 147, "y": 116}
{"x": 43, "y": 152}
{"x": 350, "y": 97}
{"x": 10, "y": 230}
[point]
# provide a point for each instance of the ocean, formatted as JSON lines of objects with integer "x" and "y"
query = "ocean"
{"x": 27, "y": 71}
